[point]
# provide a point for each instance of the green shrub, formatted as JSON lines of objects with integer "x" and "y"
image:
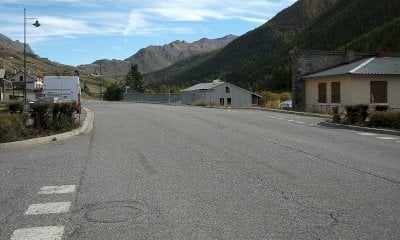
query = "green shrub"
{"x": 63, "y": 115}
{"x": 40, "y": 115}
{"x": 384, "y": 119}
{"x": 114, "y": 92}
{"x": 356, "y": 114}
{"x": 381, "y": 108}
{"x": 16, "y": 106}
{"x": 336, "y": 115}
{"x": 12, "y": 127}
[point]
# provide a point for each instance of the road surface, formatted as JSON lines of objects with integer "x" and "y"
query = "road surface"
{"x": 172, "y": 172}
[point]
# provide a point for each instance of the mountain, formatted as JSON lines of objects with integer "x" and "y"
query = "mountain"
{"x": 12, "y": 53}
{"x": 153, "y": 58}
{"x": 15, "y": 45}
{"x": 259, "y": 59}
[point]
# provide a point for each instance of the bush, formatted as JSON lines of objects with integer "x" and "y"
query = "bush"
{"x": 16, "y": 106}
{"x": 63, "y": 115}
{"x": 114, "y": 92}
{"x": 381, "y": 108}
{"x": 12, "y": 127}
{"x": 356, "y": 114}
{"x": 41, "y": 118}
{"x": 384, "y": 119}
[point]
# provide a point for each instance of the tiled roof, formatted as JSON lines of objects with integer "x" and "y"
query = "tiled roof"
{"x": 371, "y": 66}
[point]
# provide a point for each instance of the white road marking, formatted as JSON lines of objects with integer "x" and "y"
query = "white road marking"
{"x": 39, "y": 233}
{"x": 48, "y": 208}
{"x": 290, "y": 120}
{"x": 387, "y": 138}
{"x": 366, "y": 134}
{"x": 299, "y": 122}
{"x": 57, "y": 189}
{"x": 280, "y": 119}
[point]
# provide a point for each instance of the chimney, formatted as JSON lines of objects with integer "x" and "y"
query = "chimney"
{"x": 349, "y": 56}
{"x": 382, "y": 52}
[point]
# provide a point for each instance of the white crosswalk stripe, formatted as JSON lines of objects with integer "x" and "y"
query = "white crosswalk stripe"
{"x": 48, "y": 208}
{"x": 57, "y": 189}
{"x": 46, "y": 232}
{"x": 39, "y": 233}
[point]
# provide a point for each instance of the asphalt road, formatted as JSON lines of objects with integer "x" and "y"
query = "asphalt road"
{"x": 172, "y": 172}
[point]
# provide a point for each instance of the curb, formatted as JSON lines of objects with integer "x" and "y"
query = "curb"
{"x": 362, "y": 129}
{"x": 86, "y": 127}
{"x": 290, "y": 112}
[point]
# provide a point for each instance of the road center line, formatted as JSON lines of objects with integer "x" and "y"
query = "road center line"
{"x": 57, "y": 189}
{"x": 366, "y": 134}
{"x": 42, "y": 233}
{"x": 48, "y": 208}
{"x": 387, "y": 138}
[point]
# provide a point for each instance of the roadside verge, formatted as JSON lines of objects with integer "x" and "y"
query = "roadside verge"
{"x": 86, "y": 127}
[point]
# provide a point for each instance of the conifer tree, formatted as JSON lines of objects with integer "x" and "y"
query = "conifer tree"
{"x": 134, "y": 79}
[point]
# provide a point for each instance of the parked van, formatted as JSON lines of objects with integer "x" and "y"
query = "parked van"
{"x": 63, "y": 88}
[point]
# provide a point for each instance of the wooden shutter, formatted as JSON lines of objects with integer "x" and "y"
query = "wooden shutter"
{"x": 378, "y": 92}
{"x": 335, "y": 92}
{"x": 321, "y": 92}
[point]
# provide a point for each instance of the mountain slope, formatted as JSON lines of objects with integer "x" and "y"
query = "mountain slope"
{"x": 153, "y": 58}
{"x": 15, "y": 45}
{"x": 260, "y": 60}
{"x": 257, "y": 44}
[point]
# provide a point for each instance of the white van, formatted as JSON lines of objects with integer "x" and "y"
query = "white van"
{"x": 63, "y": 88}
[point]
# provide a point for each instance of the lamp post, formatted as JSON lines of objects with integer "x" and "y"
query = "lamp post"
{"x": 36, "y": 24}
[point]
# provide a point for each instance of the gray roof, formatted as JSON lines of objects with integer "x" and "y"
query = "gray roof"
{"x": 203, "y": 86}
{"x": 369, "y": 66}
{"x": 207, "y": 86}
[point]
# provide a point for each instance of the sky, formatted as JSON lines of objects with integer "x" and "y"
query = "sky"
{"x": 76, "y": 32}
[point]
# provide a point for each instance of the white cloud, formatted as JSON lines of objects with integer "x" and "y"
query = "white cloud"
{"x": 109, "y": 17}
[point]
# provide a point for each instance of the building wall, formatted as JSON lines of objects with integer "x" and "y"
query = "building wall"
{"x": 353, "y": 90}
{"x": 238, "y": 96}
{"x": 307, "y": 62}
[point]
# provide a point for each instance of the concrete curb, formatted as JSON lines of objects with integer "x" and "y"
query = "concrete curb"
{"x": 86, "y": 127}
{"x": 361, "y": 129}
{"x": 289, "y": 112}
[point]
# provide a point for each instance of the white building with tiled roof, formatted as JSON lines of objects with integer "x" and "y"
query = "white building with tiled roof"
{"x": 372, "y": 81}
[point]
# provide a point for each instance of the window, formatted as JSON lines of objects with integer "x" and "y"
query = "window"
{"x": 229, "y": 101}
{"x": 21, "y": 78}
{"x": 378, "y": 92}
{"x": 321, "y": 92}
{"x": 335, "y": 92}
{"x": 227, "y": 90}
{"x": 221, "y": 101}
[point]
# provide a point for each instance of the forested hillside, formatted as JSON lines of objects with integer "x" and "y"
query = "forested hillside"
{"x": 259, "y": 60}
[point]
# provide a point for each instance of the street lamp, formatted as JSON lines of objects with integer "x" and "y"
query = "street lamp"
{"x": 36, "y": 24}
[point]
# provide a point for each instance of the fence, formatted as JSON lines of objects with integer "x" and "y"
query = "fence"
{"x": 169, "y": 98}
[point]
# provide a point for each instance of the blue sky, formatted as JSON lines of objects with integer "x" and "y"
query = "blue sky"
{"x": 78, "y": 32}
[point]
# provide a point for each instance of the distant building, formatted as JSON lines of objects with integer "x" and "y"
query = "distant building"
{"x": 219, "y": 93}
{"x": 32, "y": 81}
{"x": 322, "y": 80}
